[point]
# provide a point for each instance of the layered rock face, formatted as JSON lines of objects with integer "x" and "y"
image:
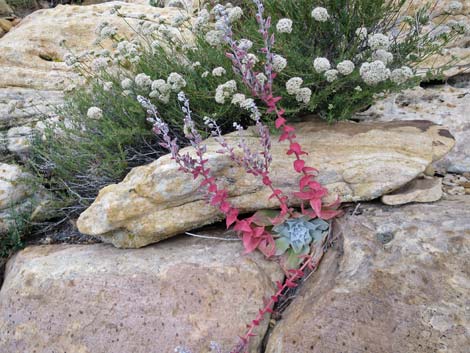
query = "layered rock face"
{"x": 400, "y": 282}
{"x": 98, "y": 299}
{"x": 357, "y": 162}
{"x": 32, "y": 70}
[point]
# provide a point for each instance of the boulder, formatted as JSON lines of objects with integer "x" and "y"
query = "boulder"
{"x": 12, "y": 190}
{"x": 19, "y": 139}
{"x": 399, "y": 282}
{"x": 447, "y": 104}
{"x": 5, "y": 9}
{"x": 356, "y": 161}
{"x": 418, "y": 190}
{"x": 99, "y": 299}
{"x": 32, "y": 69}
{"x": 19, "y": 196}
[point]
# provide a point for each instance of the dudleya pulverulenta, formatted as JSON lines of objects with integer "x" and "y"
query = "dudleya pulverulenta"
{"x": 298, "y": 234}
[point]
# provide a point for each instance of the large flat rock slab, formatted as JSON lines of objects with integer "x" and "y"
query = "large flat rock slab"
{"x": 99, "y": 299}
{"x": 400, "y": 282}
{"x": 356, "y": 162}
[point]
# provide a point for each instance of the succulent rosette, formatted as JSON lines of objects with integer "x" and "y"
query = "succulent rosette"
{"x": 294, "y": 236}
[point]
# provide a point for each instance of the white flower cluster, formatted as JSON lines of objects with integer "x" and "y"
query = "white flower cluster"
{"x": 94, "y": 113}
{"x": 345, "y": 67}
{"x": 218, "y": 72}
{"x": 261, "y": 78}
{"x": 99, "y": 64}
{"x": 234, "y": 14}
{"x": 225, "y": 91}
{"x": 383, "y": 56}
{"x": 107, "y": 86}
{"x": 245, "y": 44}
{"x": 374, "y": 72}
{"x": 331, "y": 75}
{"x": 214, "y": 37}
{"x": 179, "y": 19}
{"x": 461, "y": 25}
{"x": 321, "y": 65}
{"x": 401, "y": 75}
{"x": 176, "y": 81}
{"x": 379, "y": 41}
{"x": 320, "y": 14}
{"x": 143, "y": 81}
{"x": 161, "y": 90}
{"x": 250, "y": 58}
{"x": 126, "y": 50}
{"x": 284, "y": 25}
{"x": 362, "y": 33}
{"x": 240, "y": 100}
{"x": 170, "y": 33}
{"x": 294, "y": 87}
{"x": 201, "y": 21}
{"x": 105, "y": 30}
{"x": 127, "y": 84}
{"x": 279, "y": 63}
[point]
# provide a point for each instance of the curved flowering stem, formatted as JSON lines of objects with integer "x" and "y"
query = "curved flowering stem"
{"x": 310, "y": 190}
{"x": 293, "y": 276}
{"x": 253, "y": 236}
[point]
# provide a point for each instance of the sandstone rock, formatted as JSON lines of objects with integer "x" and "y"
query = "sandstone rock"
{"x": 19, "y": 139}
{"x": 445, "y": 13}
{"x": 98, "y": 299}
{"x": 455, "y": 184}
{"x": 356, "y": 162}
{"x": 32, "y": 100}
{"x": 444, "y": 104}
{"x": 5, "y": 24}
{"x": 31, "y": 59}
{"x": 5, "y": 9}
{"x": 419, "y": 190}
{"x": 400, "y": 282}
{"x": 12, "y": 190}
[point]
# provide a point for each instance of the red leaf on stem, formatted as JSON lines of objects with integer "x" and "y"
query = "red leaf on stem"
{"x": 295, "y": 148}
{"x": 280, "y": 122}
{"x": 299, "y": 165}
{"x": 232, "y": 216}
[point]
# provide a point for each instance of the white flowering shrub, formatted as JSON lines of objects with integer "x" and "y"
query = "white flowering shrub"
{"x": 331, "y": 57}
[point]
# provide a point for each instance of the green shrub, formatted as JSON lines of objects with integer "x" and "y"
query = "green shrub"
{"x": 18, "y": 227}
{"x": 92, "y": 151}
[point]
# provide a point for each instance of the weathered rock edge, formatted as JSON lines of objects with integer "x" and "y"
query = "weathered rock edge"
{"x": 99, "y": 299}
{"x": 356, "y": 162}
{"x": 399, "y": 282}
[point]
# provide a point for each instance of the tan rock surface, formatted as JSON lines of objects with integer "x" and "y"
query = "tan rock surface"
{"x": 418, "y": 190}
{"x": 400, "y": 282}
{"x": 444, "y": 13}
{"x": 356, "y": 162}
{"x": 98, "y": 299}
{"x": 12, "y": 190}
{"x": 448, "y": 105}
{"x": 31, "y": 57}
{"x": 5, "y": 9}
